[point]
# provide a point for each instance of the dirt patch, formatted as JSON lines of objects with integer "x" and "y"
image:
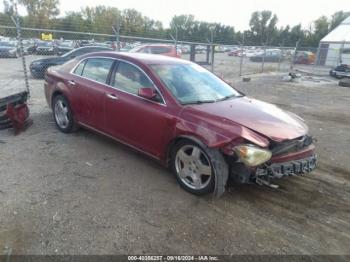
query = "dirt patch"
{"x": 84, "y": 194}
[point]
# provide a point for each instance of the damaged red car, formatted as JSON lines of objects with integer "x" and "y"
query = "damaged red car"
{"x": 179, "y": 113}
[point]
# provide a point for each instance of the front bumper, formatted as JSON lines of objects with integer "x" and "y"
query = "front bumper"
{"x": 265, "y": 175}
{"x": 289, "y": 164}
{"x": 291, "y": 168}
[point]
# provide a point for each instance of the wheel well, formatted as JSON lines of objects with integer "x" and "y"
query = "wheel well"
{"x": 56, "y": 93}
{"x": 175, "y": 141}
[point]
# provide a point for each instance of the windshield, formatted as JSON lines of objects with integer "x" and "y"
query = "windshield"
{"x": 193, "y": 84}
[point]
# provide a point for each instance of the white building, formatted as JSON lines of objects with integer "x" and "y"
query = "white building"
{"x": 334, "y": 48}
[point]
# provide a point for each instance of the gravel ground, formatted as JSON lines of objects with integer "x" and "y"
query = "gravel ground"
{"x": 85, "y": 194}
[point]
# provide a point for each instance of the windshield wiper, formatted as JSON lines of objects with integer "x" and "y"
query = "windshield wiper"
{"x": 198, "y": 102}
{"x": 228, "y": 97}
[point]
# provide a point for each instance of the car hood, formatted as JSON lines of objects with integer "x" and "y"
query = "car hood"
{"x": 51, "y": 60}
{"x": 264, "y": 118}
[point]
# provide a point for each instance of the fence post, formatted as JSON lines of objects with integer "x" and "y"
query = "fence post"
{"x": 295, "y": 55}
{"x": 241, "y": 57}
{"x": 117, "y": 36}
{"x": 317, "y": 61}
{"x": 340, "y": 56}
{"x": 241, "y": 60}
{"x": 280, "y": 57}
{"x": 176, "y": 40}
{"x": 212, "y": 50}
{"x": 21, "y": 48}
{"x": 263, "y": 59}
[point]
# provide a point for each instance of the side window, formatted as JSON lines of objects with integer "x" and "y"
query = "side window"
{"x": 130, "y": 79}
{"x": 160, "y": 50}
{"x": 79, "y": 69}
{"x": 97, "y": 69}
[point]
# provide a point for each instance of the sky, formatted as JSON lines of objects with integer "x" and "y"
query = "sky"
{"x": 228, "y": 12}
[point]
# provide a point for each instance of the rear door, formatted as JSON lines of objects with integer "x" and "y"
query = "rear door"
{"x": 89, "y": 84}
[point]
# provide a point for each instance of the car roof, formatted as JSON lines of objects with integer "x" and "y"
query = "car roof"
{"x": 156, "y": 45}
{"x": 148, "y": 59}
{"x": 94, "y": 47}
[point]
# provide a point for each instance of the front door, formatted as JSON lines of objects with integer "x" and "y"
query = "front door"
{"x": 136, "y": 121}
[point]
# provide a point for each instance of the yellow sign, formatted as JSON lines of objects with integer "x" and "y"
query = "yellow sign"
{"x": 46, "y": 37}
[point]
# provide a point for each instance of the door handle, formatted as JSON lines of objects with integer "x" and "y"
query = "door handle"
{"x": 71, "y": 82}
{"x": 112, "y": 96}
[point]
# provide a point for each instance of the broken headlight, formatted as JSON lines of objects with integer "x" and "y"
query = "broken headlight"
{"x": 252, "y": 155}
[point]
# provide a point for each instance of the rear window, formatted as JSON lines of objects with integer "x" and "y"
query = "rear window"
{"x": 79, "y": 69}
{"x": 97, "y": 69}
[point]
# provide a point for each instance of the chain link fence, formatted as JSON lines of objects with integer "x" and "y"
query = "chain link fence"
{"x": 23, "y": 49}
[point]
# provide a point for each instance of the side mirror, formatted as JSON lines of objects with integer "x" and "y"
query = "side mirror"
{"x": 148, "y": 93}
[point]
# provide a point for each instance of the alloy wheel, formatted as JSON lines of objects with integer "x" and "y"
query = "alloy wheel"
{"x": 193, "y": 167}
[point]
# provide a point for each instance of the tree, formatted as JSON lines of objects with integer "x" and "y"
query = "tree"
{"x": 185, "y": 25}
{"x": 337, "y": 18}
{"x": 41, "y": 11}
{"x": 263, "y": 27}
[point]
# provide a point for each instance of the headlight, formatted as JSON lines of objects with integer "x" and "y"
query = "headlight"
{"x": 251, "y": 155}
{"x": 12, "y": 51}
{"x": 51, "y": 49}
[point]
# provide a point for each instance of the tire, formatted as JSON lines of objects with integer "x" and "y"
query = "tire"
{"x": 345, "y": 83}
{"x": 63, "y": 114}
{"x": 186, "y": 163}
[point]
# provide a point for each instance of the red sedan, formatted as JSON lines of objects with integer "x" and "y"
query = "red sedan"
{"x": 182, "y": 115}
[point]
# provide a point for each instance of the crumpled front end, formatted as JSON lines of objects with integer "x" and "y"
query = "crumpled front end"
{"x": 294, "y": 157}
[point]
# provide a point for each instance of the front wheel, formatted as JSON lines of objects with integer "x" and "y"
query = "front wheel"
{"x": 198, "y": 169}
{"x": 63, "y": 114}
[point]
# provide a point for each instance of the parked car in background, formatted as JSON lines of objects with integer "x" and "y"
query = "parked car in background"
{"x": 234, "y": 52}
{"x": 9, "y": 49}
{"x": 46, "y": 48}
{"x": 181, "y": 114}
{"x": 29, "y": 46}
{"x": 273, "y": 55}
{"x": 39, "y": 67}
{"x": 159, "y": 49}
{"x": 305, "y": 57}
{"x": 65, "y": 46}
{"x": 340, "y": 71}
{"x": 82, "y": 43}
